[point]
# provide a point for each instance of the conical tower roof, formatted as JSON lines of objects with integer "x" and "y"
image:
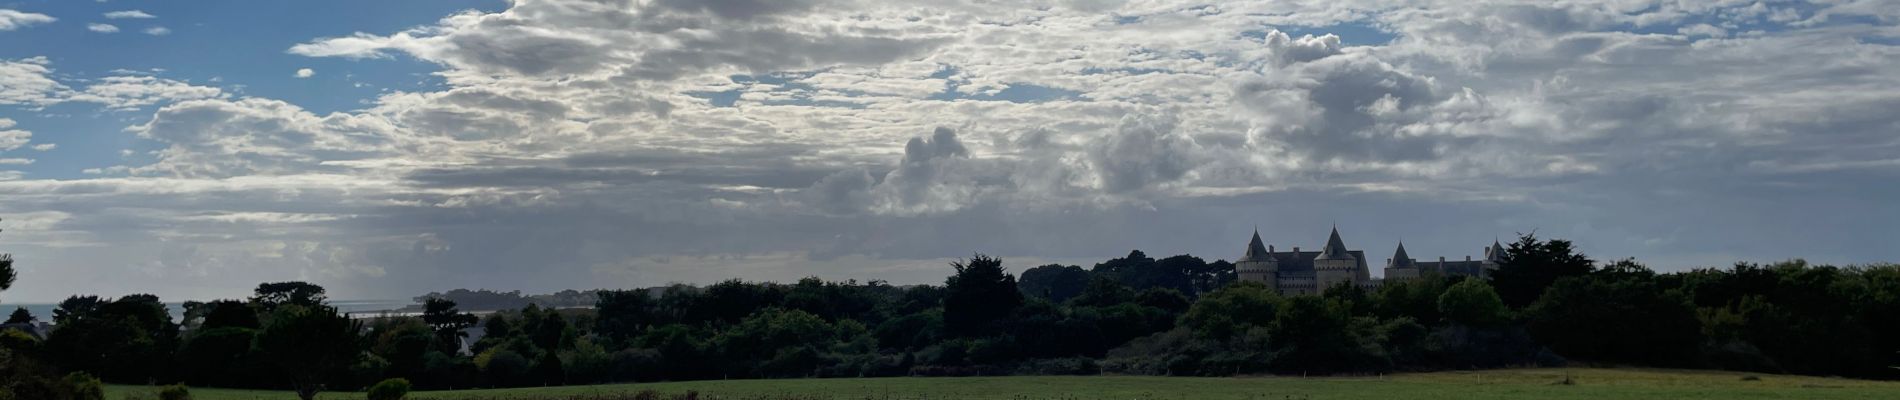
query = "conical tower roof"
{"x": 1256, "y": 251}
{"x": 1399, "y": 258}
{"x": 1495, "y": 252}
{"x": 1335, "y": 248}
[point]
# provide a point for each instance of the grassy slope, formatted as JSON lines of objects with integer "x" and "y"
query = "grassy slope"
{"x": 1496, "y": 384}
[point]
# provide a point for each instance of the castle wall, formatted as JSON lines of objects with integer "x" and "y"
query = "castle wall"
{"x": 1257, "y": 271}
{"x": 1329, "y": 273}
{"x": 1401, "y": 274}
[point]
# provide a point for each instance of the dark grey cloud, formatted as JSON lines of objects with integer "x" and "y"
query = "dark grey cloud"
{"x": 1142, "y": 153}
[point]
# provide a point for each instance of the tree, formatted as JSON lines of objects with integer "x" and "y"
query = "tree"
{"x": 1054, "y": 282}
{"x": 229, "y": 313}
{"x": 1605, "y": 319}
{"x": 1102, "y": 292}
{"x": 1141, "y": 272}
{"x": 219, "y": 356}
{"x": 448, "y": 323}
{"x": 20, "y": 316}
{"x": 980, "y": 293}
{"x": 1530, "y": 265}
{"x": 308, "y": 343}
{"x": 1411, "y": 298}
{"x": 731, "y": 300}
{"x": 1314, "y": 334}
{"x": 271, "y": 295}
{"x": 1473, "y": 303}
{"x": 623, "y": 314}
{"x": 750, "y": 345}
{"x": 6, "y": 272}
{"x": 75, "y": 307}
{"x": 552, "y": 332}
{"x": 126, "y": 340}
{"x": 1233, "y": 310}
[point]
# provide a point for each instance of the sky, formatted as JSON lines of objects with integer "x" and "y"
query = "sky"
{"x": 384, "y": 149}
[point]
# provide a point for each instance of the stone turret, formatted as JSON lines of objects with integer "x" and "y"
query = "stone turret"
{"x": 1401, "y": 266}
{"x": 1493, "y": 258}
{"x": 1258, "y": 264}
{"x": 1335, "y": 264}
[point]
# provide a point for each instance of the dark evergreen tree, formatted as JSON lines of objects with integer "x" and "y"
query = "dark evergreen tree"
{"x": 1606, "y": 318}
{"x": 20, "y": 316}
{"x": 230, "y": 313}
{"x": 269, "y": 296}
{"x": 623, "y": 314}
{"x": 309, "y": 344}
{"x": 447, "y": 322}
{"x": 1530, "y": 265}
{"x": 980, "y": 293}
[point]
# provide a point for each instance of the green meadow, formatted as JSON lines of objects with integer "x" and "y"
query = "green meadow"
{"x": 1542, "y": 383}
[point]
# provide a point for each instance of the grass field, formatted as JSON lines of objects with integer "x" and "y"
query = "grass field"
{"x": 1587, "y": 383}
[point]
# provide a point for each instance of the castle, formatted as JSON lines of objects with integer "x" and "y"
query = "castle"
{"x": 1304, "y": 272}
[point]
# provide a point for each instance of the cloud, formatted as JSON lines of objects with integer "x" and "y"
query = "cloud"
{"x": 102, "y": 28}
{"x": 661, "y": 40}
{"x": 158, "y": 31}
{"x": 31, "y": 83}
{"x": 1345, "y": 107}
{"x": 15, "y": 19}
{"x": 224, "y": 138}
{"x": 27, "y": 82}
{"x": 134, "y": 92}
{"x": 305, "y": 73}
{"x": 1142, "y": 153}
{"x": 129, "y": 14}
{"x": 11, "y": 139}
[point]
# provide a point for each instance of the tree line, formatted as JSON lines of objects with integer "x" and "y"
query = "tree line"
{"x": 1547, "y": 304}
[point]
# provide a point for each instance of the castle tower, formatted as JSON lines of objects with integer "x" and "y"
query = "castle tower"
{"x": 1493, "y": 258}
{"x": 1258, "y": 265}
{"x": 1336, "y": 265}
{"x": 1401, "y": 266}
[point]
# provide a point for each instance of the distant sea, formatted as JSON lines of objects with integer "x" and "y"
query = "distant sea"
{"x": 363, "y": 307}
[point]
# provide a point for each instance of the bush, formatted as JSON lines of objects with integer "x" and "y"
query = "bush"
{"x": 1060, "y": 366}
{"x": 83, "y": 386}
{"x": 389, "y": 389}
{"x": 174, "y": 392}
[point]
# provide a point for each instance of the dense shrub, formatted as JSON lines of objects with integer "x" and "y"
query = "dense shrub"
{"x": 83, "y": 386}
{"x": 389, "y": 389}
{"x": 174, "y": 392}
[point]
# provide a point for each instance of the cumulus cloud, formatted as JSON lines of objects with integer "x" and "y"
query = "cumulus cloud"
{"x": 1142, "y": 153}
{"x": 659, "y": 40}
{"x": 102, "y": 28}
{"x": 305, "y": 73}
{"x": 12, "y": 138}
{"x": 15, "y": 19}
{"x": 1352, "y": 107}
{"x": 27, "y": 82}
{"x": 222, "y": 138}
